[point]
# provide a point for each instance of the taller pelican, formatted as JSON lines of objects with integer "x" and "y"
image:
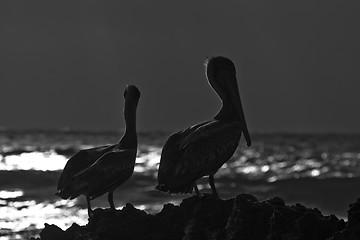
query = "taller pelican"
{"x": 96, "y": 171}
{"x": 203, "y": 148}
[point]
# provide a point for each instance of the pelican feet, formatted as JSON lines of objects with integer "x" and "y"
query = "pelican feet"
{"x": 111, "y": 201}
{"x": 213, "y": 189}
{"x": 90, "y": 211}
{"x": 212, "y": 185}
{"x": 196, "y": 189}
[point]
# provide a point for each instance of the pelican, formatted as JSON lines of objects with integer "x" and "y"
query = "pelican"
{"x": 202, "y": 149}
{"x": 96, "y": 171}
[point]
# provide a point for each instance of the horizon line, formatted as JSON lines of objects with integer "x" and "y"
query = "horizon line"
{"x": 4, "y": 129}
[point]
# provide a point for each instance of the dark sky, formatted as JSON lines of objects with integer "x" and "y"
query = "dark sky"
{"x": 66, "y": 63}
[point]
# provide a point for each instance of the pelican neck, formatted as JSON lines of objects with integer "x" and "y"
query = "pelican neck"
{"x": 227, "y": 112}
{"x": 129, "y": 139}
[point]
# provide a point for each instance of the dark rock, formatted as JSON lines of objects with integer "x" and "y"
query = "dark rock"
{"x": 209, "y": 218}
{"x": 249, "y": 219}
{"x": 52, "y": 232}
{"x": 352, "y": 228}
{"x": 354, "y": 216}
{"x": 276, "y": 201}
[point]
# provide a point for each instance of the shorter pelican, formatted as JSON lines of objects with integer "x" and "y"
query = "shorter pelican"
{"x": 96, "y": 171}
{"x": 203, "y": 148}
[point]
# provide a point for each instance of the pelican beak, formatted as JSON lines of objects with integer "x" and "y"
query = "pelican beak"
{"x": 233, "y": 90}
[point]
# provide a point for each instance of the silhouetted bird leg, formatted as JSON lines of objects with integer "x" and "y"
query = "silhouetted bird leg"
{"x": 197, "y": 192}
{"x": 111, "y": 201}
{"x": 89, "y": 206}
{"x": 212, "y": 185}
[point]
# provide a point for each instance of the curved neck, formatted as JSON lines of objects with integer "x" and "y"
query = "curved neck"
{"x": 227, "y": 111}
{"x": 129, "y": 139}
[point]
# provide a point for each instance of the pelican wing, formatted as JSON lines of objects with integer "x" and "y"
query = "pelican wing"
{"x": 189, "y": 155}
{"x": 80, "y": 161}
{"x": 173, "y": 148}
{"x": 208, "y": 148}
{"x": 108, "y": 172}
{"x": 202, "y": 131}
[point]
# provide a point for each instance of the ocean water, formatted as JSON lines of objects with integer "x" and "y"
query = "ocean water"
{"x": 319, "y": 170}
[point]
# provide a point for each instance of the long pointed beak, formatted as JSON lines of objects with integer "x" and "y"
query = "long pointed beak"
{"x": 233, "y": 91}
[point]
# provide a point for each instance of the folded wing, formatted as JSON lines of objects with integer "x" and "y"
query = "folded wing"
{"x": 189, "y": 155}
{"x": 108, "y": 172}
{"x": 77, "y": 163}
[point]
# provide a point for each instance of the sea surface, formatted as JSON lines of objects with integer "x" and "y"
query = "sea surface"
{"x": 318, "y": 170}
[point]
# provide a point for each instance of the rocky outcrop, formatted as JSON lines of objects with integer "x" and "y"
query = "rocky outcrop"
{"x": 243, "y": 217}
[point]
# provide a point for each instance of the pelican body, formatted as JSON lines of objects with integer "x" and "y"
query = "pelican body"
{"x": 96, "y": 171}
{"x": 202, "y": 149}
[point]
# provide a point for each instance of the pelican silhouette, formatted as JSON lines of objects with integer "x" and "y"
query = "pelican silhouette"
{"x": 202, "y": 149}
{"x": 96, "y": 171}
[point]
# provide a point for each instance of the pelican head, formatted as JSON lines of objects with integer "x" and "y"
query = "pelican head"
{"x": 221, "y": 74}
{"x": 132, "y": 94}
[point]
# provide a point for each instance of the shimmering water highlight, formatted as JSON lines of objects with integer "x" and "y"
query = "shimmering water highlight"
{"x": 31, "y": 163}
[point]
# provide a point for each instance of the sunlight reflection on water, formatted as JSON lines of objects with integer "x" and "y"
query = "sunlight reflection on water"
{"x": 254, "y": 163}
{"x": 271, "y": 157}
{"x": 148, "y": 162}
{"x": 42, "y": 161}
{"x": 29, "y": 215}
{"x": 11, "y": 194}
{"x": 17, "y": 217}
{"x": 51, "y": 161}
